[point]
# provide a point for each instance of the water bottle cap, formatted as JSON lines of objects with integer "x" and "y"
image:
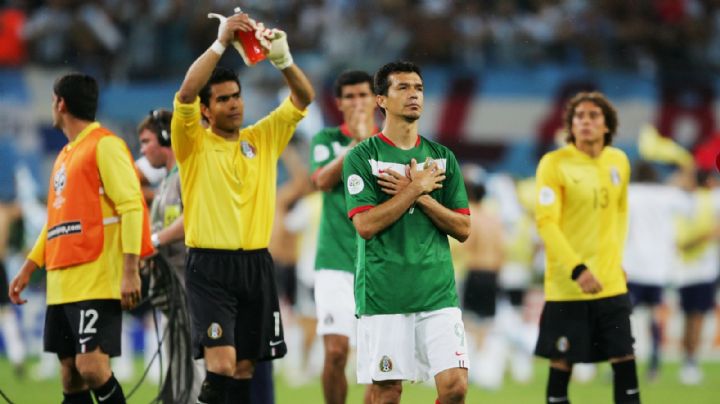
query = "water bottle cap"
{"x": 237, "y": 10}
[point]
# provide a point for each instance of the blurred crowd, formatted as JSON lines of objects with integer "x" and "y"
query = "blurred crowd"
{"x": 143, "y": 39}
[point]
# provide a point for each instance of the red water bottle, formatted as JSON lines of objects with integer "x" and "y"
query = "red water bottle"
{"x": 250, "y": 44}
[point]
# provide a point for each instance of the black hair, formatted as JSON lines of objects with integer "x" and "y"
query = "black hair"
{"x": 350, "y": 77}
{"x": 80, "y": 93}
{"x": 382, "y": 76}
{"x": 158, "y": 122}
{"x": 219, "y": 75}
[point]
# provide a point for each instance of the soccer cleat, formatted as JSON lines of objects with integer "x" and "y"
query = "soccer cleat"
{"x": 690, "y": 375}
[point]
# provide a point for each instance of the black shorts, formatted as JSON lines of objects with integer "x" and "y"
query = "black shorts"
{"x": 516, "y": 297}
{"x": 232, "y": 298}
{"x": 648, "y": 295}
{"x": 698, "y": 298}
{"x": 586, "y": 330}
{"x": 80, "y": 327}
{"x": 480, "y": 293}
{"x": 4, "y": 286}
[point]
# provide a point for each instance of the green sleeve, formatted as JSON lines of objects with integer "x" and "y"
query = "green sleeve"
{"x": 454, "y": 195}
{"x": 361, "y": 189}
{"x": 321, "y": 151}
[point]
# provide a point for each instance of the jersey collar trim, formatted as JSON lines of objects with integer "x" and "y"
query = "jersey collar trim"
{"x": 390, "y": 142}
{"x": 345, "y": 130}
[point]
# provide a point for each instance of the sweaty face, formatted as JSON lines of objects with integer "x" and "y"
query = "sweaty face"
{"x": 588, "y": 123}
{"x": 355, "y": 97}
{"x": 151, "y": 149}
{"x": 226, "y": 107}
{"x": 404, "y": 96}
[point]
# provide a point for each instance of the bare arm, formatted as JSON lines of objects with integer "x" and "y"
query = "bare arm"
{"x": 199, "y": 72}
{"x": 174, "y": 232}
{"x": 455, "y": 224}
{"x": 301, "y": 91}
{"x": 327, "y": 176}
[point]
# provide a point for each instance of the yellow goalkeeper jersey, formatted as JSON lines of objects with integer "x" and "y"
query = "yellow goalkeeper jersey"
{"x": 581, "y": 214}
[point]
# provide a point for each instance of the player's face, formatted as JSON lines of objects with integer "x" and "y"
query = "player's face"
{"x": 226, "y": 106}
{"x": 355, "y": 97}
{"x": 588, "y": 123}
{"x": 404, "y": 97}
{"x": 151, "y": 149}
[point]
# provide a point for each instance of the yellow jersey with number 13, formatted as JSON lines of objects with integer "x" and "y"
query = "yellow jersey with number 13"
{"x": 581, "y": 215}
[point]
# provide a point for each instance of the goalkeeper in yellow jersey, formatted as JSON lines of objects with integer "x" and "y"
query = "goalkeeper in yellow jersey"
{"x": 582, "y": 218}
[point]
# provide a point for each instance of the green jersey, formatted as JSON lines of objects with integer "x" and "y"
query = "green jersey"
{"x": 407, "y": 267}
{"x": 336, "y": 236}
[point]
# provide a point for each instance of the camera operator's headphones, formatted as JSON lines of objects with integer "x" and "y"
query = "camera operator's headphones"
{"x": 161, "y": 120}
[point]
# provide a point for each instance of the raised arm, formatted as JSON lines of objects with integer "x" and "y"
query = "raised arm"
{"x": 199, "y": 72}
{"x": 301, "y": 91}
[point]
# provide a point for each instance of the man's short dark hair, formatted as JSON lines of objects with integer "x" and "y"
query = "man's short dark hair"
{"x": 219, "y": 75}
{"x": 80, "y": 93}
{"x": 599, "y": 99}
{"x": 382, "y": 76}
{"x": 350, "y": 77}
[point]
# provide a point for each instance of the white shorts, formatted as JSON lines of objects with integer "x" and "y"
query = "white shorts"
{"x": 335, "y": 303}
{"x": 410, "y": 347}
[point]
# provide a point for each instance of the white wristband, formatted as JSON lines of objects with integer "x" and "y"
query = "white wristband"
{"x": 155, "y": 240}
{"x": 218, "y": 47}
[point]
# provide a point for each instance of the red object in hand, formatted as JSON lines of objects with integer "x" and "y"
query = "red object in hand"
{"x": 251, "y": 46}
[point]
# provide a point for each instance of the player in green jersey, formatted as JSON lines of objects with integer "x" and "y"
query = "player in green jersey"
{"x": 335, "y": 259}
{"x": 409, "y": 326}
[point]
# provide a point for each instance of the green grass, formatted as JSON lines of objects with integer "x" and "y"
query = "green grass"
{"x": 666, "y": 390}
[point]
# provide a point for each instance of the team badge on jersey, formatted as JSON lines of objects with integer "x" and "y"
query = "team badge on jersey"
{"x": 615, "y": 176}
{"x": 214, "y": 331}
{"x": 562, "y": 344}
{"x": 248, "y": 150}
{"x": 321, "y": 153}
{"x": 386, "y": 364}
{"x": 547, "y": 196}
{"x": 355, "y": 184}
{"x": 59, "y": 181}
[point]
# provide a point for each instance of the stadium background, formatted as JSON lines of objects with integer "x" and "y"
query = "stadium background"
{"x": 496, "y": 76}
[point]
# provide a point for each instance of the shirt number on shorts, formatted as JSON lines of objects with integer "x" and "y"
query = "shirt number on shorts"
{"x": 276, "y": 315}
{"x": 88, "y": 327}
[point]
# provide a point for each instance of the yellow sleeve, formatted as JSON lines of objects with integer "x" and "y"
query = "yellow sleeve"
{"x": 623, "y": 208}
{"x": 278, "y": 127}
{"x": 122, "y": 186}
{"x": 184, "y": 127}
{"x": 547, "y": 215}
{"x": 37, "y": 254}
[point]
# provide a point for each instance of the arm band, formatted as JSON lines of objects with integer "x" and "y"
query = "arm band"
{"x": 577, "y": 271}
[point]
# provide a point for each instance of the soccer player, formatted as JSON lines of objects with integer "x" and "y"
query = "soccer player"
{"x": 409, "y": 326}
{"x": 228, "y": 178}
{"x": 90, "y": 246}
{"x": 698, "y": 270}
{"x": 650, "y": 248}
{"x": 582, "y": 215}
{"x": 335, "y": 259}
{"x": 485, "y": 256}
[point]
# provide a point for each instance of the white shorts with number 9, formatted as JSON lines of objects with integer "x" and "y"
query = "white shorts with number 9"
{"x": 411, "y": 347}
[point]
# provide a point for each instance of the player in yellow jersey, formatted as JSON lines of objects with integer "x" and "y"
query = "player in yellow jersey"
{"x": 90, "y": 246}
{"x": 581, "y": 215}
{"x": 228, "y": 178}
